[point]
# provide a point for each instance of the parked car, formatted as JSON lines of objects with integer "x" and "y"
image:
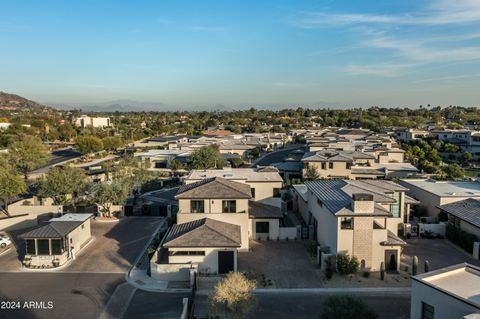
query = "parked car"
{"x": 4, "y": 241}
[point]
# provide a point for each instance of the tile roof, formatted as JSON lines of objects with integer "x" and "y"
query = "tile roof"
{"x": 203, "y": 232}
{"x": 335, "y": 155}
{"x": 467, "y": 210}
{"x": 260, "y": 210}
{"x": 216, "y": 187}
{"x": 52, "y": 230}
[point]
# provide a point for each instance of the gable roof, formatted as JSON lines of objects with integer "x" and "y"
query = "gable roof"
{"x": 216, "y": 187}
{"x": 203, "y": 232}
{"x": 467, "y": 210}
{"x": 56, "y": 229}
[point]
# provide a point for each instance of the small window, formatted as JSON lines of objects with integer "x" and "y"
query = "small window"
{"x": 253, "y": 192}
{"x": 197, "y": 206}
{"x": 83, "y": 226}
{"x": 262, "y": 227}
{"x": 324, "y": 165}
{"x": 30, "y": 246}
{"x": 346, "y": 223}
{"x": 276, "y": 192}
{"x": 349, "y": 165}
{"x": 330, "y": 165}
{"x": 229, "y": 206}
{"x": 428, "y": 311}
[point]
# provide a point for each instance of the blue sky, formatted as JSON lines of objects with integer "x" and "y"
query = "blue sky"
{"x": 243, "y": 53}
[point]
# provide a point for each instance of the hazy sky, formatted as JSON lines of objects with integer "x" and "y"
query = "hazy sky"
{"x": 358, "y": 53}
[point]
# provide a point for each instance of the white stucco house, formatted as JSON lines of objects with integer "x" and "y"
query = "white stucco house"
{"x": 361, "y": 218}
{"x": 452, "y": 292}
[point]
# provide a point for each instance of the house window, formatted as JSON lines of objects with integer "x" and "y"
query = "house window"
{"x": 428, "y": 311}
{"x": 253, "y": 192}
{"x": 346, "y": 223}
{"x": 43, "y": 246}
{"x": 262, "y": 227}
{"x": 30, "y": 246}
{"x": 324, "y": 165}
{"x": 187, "y": 253}
{"x": 395, "y": 207}
{"x": 83, "y": 226}
{"x": 57, "y": 246}
{"x": 229, "y": 206}
{"x": 276, "y": 192}
{"x": 349, "y": 165}
{"x": 197, "y": 206}
{"x": 330, "y": 165}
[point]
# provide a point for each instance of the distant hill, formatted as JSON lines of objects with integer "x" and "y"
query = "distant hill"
{"x": 13, "y": 102}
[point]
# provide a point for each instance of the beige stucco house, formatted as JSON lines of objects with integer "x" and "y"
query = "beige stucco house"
{"x": 433, "y": 194}
{"x": 58, "y": 241}
{"x": 360, "y": 218}
{"x": 352, "y": 164}
{"x": 217, "y": 217}
{"x": 265, "y": 182}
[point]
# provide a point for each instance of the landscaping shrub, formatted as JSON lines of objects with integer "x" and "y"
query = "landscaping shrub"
{"x": 329, "y": 268}
{"x": 461, "y": 238}
{"x": 347, "y": 265}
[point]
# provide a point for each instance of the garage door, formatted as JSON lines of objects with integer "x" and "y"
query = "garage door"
{"x": 225, "y": 262}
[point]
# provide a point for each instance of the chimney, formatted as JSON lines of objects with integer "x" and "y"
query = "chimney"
{"x": 362, "y": 203}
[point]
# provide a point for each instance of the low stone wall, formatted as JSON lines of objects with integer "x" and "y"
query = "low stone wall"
{"x": 171, "y": 272}
{"x": 289, "y": 233}
{"x": 18, "y": 222}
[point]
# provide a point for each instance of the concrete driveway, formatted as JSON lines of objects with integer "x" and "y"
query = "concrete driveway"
{"x": 439, "y": 252}
{"x": 286, "y": 263}
{"x": 114, "y": 247}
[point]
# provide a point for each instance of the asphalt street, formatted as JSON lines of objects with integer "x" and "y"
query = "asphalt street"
{"x": 275, "y": 157}
{"x": 56, "y": 295}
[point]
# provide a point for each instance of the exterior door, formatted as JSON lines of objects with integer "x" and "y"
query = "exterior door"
{"x": 225, "y": 262}
{"x": 391, "y": 260}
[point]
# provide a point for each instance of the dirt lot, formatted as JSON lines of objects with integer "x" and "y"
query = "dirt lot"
{"x": 113, "y": 248}
{"x": 286, "y": 264}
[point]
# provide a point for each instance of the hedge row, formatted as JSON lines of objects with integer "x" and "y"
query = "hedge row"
{"x": 461, "y": 238}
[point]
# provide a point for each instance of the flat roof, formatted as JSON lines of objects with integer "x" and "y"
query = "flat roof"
{"x": 70, "y": 217}
{"x": 461, "y": 281}
{"x": 447, "y": 188}
{"x": 247, "y": 174}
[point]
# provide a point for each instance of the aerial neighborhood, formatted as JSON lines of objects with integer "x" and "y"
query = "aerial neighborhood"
{"x": 180, "y": 207}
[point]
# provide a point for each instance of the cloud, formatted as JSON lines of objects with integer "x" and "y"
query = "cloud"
{"x": 422, "y": 45}
{"x": 383, "y": 69}
{"x": 439, "y": 12}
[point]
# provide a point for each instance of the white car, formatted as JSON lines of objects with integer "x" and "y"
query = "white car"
{"x": 4, "y": 241}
